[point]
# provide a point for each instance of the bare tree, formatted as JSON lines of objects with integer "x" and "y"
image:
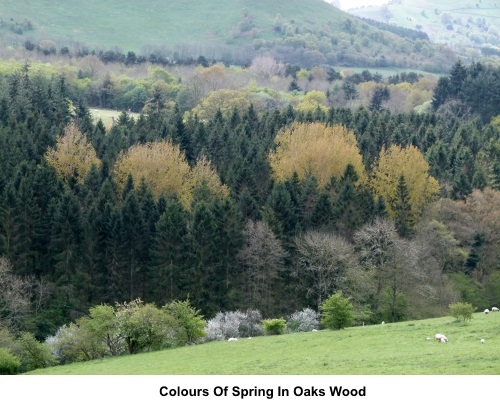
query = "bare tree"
{"x": 327, "y": 263}
{"x": 14, "y": 296}
{"x": 394, "y": 262}
{"x": 266, "y": 67}
{"x": 262, "y": 258}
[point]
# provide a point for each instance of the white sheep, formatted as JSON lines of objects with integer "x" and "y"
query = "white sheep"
{"x": 494, "y": 309}
{"x": 482, "y": 341}
{"x": 440, "y": 337}
{"x": 314, "y": 330}
{"x": 232, "y": 339}
{"x": 486, "y": 311}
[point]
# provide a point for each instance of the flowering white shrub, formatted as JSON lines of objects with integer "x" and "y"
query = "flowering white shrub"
{"x": 303, "y": 321}
{"x": 251, "y": 323}
{"x": 234, "y": 324}
{"x": 63, "y": 345}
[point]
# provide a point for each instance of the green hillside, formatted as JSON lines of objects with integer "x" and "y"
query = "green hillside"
{"x": 132, "y": 24}
{"x": 399, "y": 348}
{"x": 311, "y": 32}
{"x": 462, "y": 24}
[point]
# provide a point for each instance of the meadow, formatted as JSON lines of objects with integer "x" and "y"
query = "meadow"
{"x": 131, "y": 25}
{"x": 107, "y": 116}
{"x": 403, "y": 348}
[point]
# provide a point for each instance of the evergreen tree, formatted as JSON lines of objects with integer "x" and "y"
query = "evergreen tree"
{"x": 404, "y": 220}
{"x": 170, "y": 252}
{"x": 205, "y": 281}
{"x": 134, "y": 228}
{"x": 281, "y": 214}
{"x": 352, "y": 206}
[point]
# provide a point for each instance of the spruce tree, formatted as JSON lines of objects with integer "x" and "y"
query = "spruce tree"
{"x": 170, "y": 252}
{"x": 404, "y": 220}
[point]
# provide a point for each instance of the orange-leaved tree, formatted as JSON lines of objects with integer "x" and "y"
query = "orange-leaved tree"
{"x": 315, "y": 149}
{"x": 164, "y": 168}
{"x": 73, "y": 155}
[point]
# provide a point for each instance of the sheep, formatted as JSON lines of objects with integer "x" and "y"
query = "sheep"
{"x": 482, "y": 341}
{"x": 232, "y": 339}
{"x": 486, "y": 311}
{"x": 494, "y": 309}
{"x": 441, "y": 338}
{"x": 314, "y": 330}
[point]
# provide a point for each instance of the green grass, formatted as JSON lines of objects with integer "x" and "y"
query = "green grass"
{"x": 106, "y": 116}
{"x": 390, "y": 349}
{"x": 408, "y": 14}
{"x": 132, "y": 24}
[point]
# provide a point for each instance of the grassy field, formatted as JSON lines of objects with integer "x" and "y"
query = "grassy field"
{"x": 450, "y": 22}
{"x": 107, "y": 116}
{"x": 132, "y": 24}
{"x": 391, "y": 349}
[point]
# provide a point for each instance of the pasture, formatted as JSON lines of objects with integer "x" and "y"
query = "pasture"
{"x": 404, "y": 348}
{"x": 107, "y": 116}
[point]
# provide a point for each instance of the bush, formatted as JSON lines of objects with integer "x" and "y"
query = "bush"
{"x": 33, "y": 353}
{"x": 189, "y": 325}
{"x": 462, "y": 311}
{"x": 234, "y": 324}
{"x": 250, "y": 323}
{"x": 303, "y": 321}
{"x": 274, "y": 326}
{"x": 337, "y": 311}
{"x": 9, "y": 363}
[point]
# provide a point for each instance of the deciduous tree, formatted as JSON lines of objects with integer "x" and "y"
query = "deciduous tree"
{"x": 73, "y": 155}
{"x": 409, "y": 163}
{"x": 315, "y": 149}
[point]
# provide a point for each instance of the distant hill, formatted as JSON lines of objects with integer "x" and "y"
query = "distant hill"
{"x": 295, "y": 31}
{"x": 471, "y": 28}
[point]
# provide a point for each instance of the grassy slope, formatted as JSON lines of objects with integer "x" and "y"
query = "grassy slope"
{"x": 407, "y": 13}
{"x": 131, "y": 24}
{"x": 391, "y": 349}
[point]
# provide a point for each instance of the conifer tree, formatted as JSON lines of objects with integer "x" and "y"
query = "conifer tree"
{"x": 400, "y": 204}
{"x": 170, "y": 253}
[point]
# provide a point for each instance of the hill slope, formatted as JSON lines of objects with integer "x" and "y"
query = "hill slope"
{"x": 293, "y": 30}
{"x": 461, "y": 24}
{"x": 398, "y": 348}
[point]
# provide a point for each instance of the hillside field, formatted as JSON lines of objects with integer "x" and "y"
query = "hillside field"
{"x": 456, "y": 23}
{"x": 132, "y": 24}
{"x": 391, "y": 349}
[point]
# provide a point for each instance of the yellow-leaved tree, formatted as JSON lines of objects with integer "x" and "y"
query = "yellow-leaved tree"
{"x": 224, "y": 100}
{"x": 411, "y": 164}
{"x": 315, "y": 149}
{"x": 311, "y": 101}
{"x": 73, "y": 155}
{"x": 165, "y": 170}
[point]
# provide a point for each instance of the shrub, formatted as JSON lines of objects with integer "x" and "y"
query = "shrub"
{"x": 303, "y": 321}
{"x": 223, "y": 326}
{"x": 66, "y": 344}
{"x": 33, "y": 353}
{"x": 189, "y": 325}
{"x": 250, "y": 323}
{"x": 462, "y": 311}
{"x": 275, "y": 326}
{"x": 9, "y": 363}
{"x": 144, "y": 326}
{"x": 337, "y": 311}
{"x": 234, "y": 324}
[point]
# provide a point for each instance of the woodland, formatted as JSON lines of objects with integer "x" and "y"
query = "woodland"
{"x": 242, "y": 206}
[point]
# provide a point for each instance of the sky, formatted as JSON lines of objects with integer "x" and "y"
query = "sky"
{"x": 347, "y": 4}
